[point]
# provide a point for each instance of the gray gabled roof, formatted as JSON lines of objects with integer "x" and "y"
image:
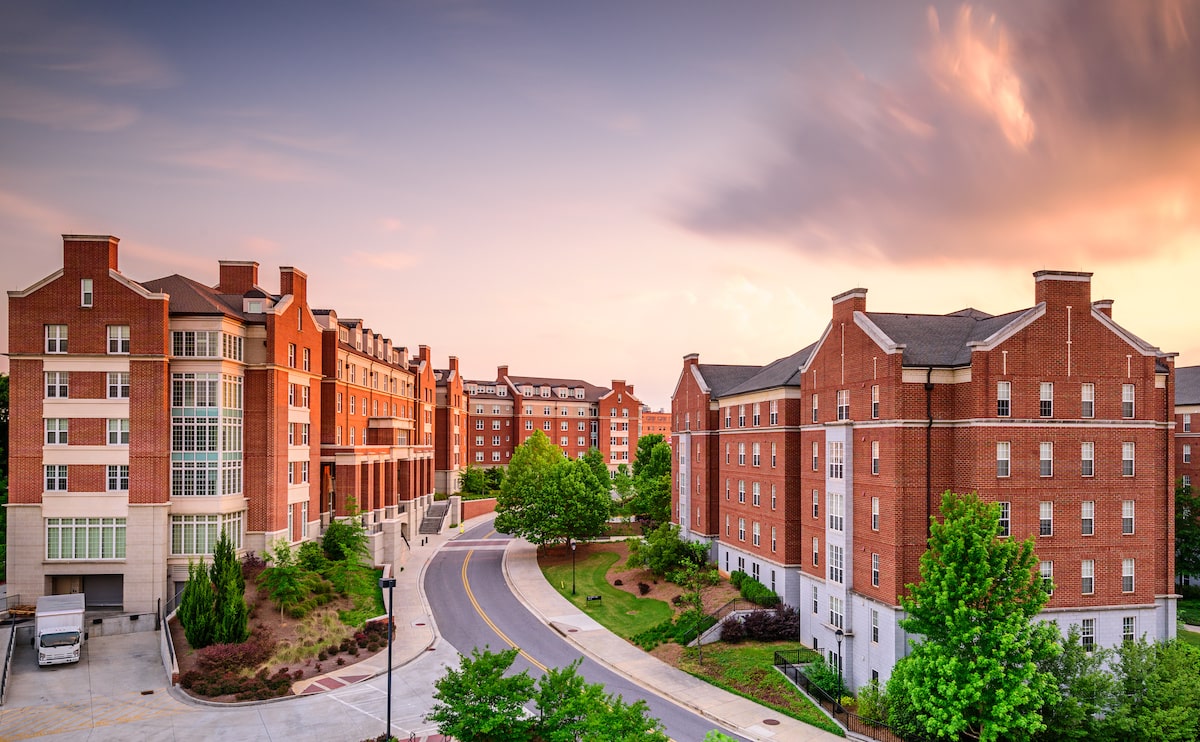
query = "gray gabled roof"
{"x": 721, "y": 378}
{"x": 1187, "y": 385}
{"x": 782, "y": 372}
{"x": 192, "y": 297}
{"x": 940, "y": 339}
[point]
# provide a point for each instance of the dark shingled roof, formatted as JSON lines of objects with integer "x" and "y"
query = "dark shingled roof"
{"x": 940, "y": 340}
{"x": 591, "y": 392}
{"x": 1187, "y": 385}
{"x": 191, "y": 297}
{"x": 722, "y": 378}
{"x": 783, "y": 372}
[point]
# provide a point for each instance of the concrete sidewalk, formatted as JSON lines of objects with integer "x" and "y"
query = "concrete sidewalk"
{"x": 747, "y": 718}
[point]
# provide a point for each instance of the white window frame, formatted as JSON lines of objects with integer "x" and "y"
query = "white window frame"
{"x": 118, "y": 384}
{"x": 86, "y": 295}
{"x": 1005, "y": 527}
{"x": 1087, "y": 458}
{"x": 118, "y": 340}
{"x": 843, "y": 404}
{"x": 874, "y": 513}
{"x": 875, "y": 458}
{"x": 1087, "y": 576}
{"x": 836, "y": 563}
{"x": 56, "y": 339}
{"x": 56, "y": 429}
{"x": 1046, "y": 569}
{"x": 1128, "y": 565}
{"x": 118, "y": 431}
{"x": 1128, "y": 512}
{"x": 1128, "y": 399}
{"x": 835, "y": 507}
{"x": 1046, "y": 518}
{"x": 1087, "y": 400}
{"x": 117, "y": 478}
{"x": 875, "y": 402}
{"x": 57, "y": 384}
{"x": 1003, "y": 399}
{"x": 1046, "y": 399}
{"x": 835, "y": 453}
{"x": 875, "y": 570}
{"x": 1046, "y": 458}
{"x": 1128, "y": 454}
{"x": 1087, "y": 518}
{"x": 1003, "y": 459}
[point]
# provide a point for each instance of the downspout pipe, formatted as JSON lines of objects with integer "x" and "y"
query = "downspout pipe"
{"x": 928, "y": 451}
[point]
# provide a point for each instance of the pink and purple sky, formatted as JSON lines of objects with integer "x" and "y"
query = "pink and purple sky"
{"x": 593, "y": 190}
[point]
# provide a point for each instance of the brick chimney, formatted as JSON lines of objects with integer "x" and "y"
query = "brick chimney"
{"x": 1062, "y": 288}
{"x": 423, "y": 353}
{"x": 1103, "y": 306}
{"x": 454, "y": 364}
{"x": 237, "y": 277}
{"x": 501, "y": 372}
{"x": 847, "y": 303}
{"x": 84, "y": 253}
{"x": 295, "y": 282}
{"x": 691, "y": 359}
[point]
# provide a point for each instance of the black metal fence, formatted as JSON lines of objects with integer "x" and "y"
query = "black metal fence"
{"x": 788, "y": 662}
{"x": 7, "y": 657}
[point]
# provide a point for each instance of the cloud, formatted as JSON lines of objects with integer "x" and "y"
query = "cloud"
{"x": 255, "y": 162}
{"x": 1062, "y": 132}
{"x": 388, "y": 261}
{"x": 61, "y": 111}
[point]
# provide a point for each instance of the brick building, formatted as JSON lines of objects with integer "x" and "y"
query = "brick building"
{"x": 818, "y": 473}
{"x": 1187, "y": 424}
{"x": 148, "y": 416}
{"x": 656, "y": 423}
{"x": 574, "y": 414}
{"x": 450, "y": 426}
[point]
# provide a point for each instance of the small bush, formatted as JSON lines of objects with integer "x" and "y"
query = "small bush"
{"x": 643, "y": 588}
{"x": 736, "y": 577}
{"x": 618, "y": 583}
{"x": 825, "y": 676}
{"x": 341, "y": 661}
{"x": 732, "y": 630}
{"x": 873, "y": 703}
{"x": 219, "y": 658}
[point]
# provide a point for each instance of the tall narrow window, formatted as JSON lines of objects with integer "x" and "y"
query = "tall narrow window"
{"x": 773, "y": 456}
{"x": 1047, "y": 571}
{"x": 843, "y": 404}
{"x": 875, "y": 402}
{"x": 1187, "y": 453}
{"x": 1003, "y": 398}
{"x": 874, "y": 457}
{"x": 118, "y": 339}
{"x": 742, "y": 491}
{"x": 837, "y": 563}
{"x": 755, "y": 455}
{"x": 292, "y": 355}
{"x": 1046, "y": 399}
{"x": 1005, "y": 519}
{"x": 1127, "y": 517}
{"x": 772, "y": 540}
{"x": 1127, "y": 400}
{"x": 1003, "y": 458}
{"x": 816, "y": 504}
{"x": 875, "y": 570}
{"x": 757, "y": 408}
{"x": 1126, "y": 575}
{"x": 774, "y": 412}
{"x": 1087, "y": 634}
{"x": 1087, "y": 458}
{"x": 1088, "y": 400}
{"x": 836, "y": 617}
{"x": 773, "y": 500}
{"x": 1046, "y": 519}
{"x": 816, "y": 549}
{"x": 1087, "y": 514}
{"x": 814, "y": 408}
{"x": 727, "y": 418}
{"x": 1128, "y": 628}
{"x": 754, "y": 533}
{"x": 1127, "y": 450}
{"x": 308, "y": 360}
{"x": 754, "y": 490}
{"x": 85, "y": 292}
{"x": 741, "y": 454}
{"x": 834, "y": 451}
{"x": 874, "y": 513}
{"x": 1087, "y": 575}
{"x": 1187, "y": 423}
{"x": 874, "y": 626}
{"x": 816, "y": 457}
{"x": 1046, "y": 459}
{"x": 741, "y": 529}
{"x": 56, "y": 338}
{"x": 835, "y": 505}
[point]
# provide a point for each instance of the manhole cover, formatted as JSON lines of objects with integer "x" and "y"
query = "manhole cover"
{"x": 418, "y": 624}
{"x": 771, "y": 722}
{"x": 147, "y": 693}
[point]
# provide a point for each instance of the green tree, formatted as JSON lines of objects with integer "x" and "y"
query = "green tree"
{"x": 345, "y": 538}
{"x": 230, "y": 613}
{"x": 495, "y": 478}
{"x": 472, "y": 480}
{"x": 595, "y": 462}
{"x": 1187, "y": 530}
{"x": 623, "y": 485}
{"x": 976, "y": 673}
{"x": 1087, "y": 692}
{"x": 580, "y": 506}
{"x": 1159, "y": 692}
{"x": 284, "y": 580}
{"x": 662, "y": 551}
{"x": 477, "y": 703}
{"x": 651, "y": 500}
{"x": 521, "y": 506}
{"x": 196, "y": 607}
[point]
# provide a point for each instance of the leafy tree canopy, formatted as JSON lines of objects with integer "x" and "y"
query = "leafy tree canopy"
{"x": 1187, "y": 530}
{"x": 651, "y": 499}
{"x": 977, "y": 671}
{"x": 547, "y": 498}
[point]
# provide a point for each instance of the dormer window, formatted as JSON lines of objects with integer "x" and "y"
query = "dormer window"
{"x": 254, "y": 307}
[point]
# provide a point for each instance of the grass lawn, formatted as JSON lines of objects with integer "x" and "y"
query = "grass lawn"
{"x": 621, "y": 613}
{"x": 1188, "y": 610}
{"x": 746, "y": 669}
{"x": 1188, "y": 637}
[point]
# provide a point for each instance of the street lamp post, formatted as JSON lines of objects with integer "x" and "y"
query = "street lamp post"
{"x": 390, "y": 584}
{"x": 839, "y": 634}
{"x": 573, "y": 567}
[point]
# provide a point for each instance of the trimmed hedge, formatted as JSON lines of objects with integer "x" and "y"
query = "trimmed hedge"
{"x": 757, "y": 593}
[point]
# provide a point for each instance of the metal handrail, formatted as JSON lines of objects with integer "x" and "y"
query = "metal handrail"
{"x": 8, "y": 652}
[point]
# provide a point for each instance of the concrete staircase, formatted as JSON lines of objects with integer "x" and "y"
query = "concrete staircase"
{"x": 435, "y": 517}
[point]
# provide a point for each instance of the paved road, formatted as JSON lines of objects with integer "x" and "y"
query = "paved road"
{"x": 473, "y": 607}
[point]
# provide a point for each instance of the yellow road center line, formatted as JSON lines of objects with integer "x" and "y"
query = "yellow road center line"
{"x": 488, "y": 621}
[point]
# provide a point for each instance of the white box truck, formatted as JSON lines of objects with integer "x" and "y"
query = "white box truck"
{"x": 58, "y": 628}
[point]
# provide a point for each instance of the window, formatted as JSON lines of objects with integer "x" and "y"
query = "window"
{"x": 836, "y": 614}
{"x": 1087, "y": 573}
{"x": 726, "y": 489}
{"x": 726, "y": 528}
{"x": 874, "y": 457}
{"x": 773, "y": 499}
{"x": 774, "y": 412}
{"x": 1087, "y": 458}
{"x": 1005, "y": 519}
{"x": 1187, "y": 480}
{"x": 816, "y": 552}
{"x": 546, "y": 425}
{"x": 479, "y": 456}
{"x": 773, "y": 458}
{"x": 1127, "y": 400}
{"x": 292, "y": 355}
{"x": 308, "y": 360}
{"x": 353, "y": 404}
{"x": 1003, "y": 458}
{"x": 742, "y": 490}
{"x": 1046, "y": 519}
{"x": 338, "y": 440}
{"x": 1127, "y": 517}
{"x": 1187, "y": 453}
{"x": 56, "y": 478}
{"x": 291, "y": 434}
{"x": 564, "y": 441}
{"x": 835, "y": 504}
{"x": 198, "y": 534}
{"x": 56, "y": 431}
{"x": 1003, "y": 398}
{"x": 741, "y": 416}
{"x": 291, "y": 472}
{"x": 1187, "y": 423}
{"x": 1087, "y": 407}
{"x": 728, "y": 424}
{"x": 529, "y": 425}
{"x": 56, "y": 338}
{"x": 755, "y": 456}
{"x": 837, "y": 564}
{"x": 875, "y": 570}
{"x": 118, "y": 478}
{"x": 816, "y": 604}
{"x": 816, "y": 504}
{"x": 1047, "y": 571}
{"x": 56, "y": 385}
{"x": 1126, "y": 575}
{"x": 118, "y": 385}
{"x": 352, "y": 429}
{"x": 85, "y": 292}
{"x": 1046, "y": 399}
{"x": 754, "y": 532}
{"x": 85, "y": 538}
{"x": 1128, "y": 628}
{"x": 1127, "y": 451}
{"x": 118, "y": 432}
{"x": 727, "y": 445}
{"x": 741, "y": 454}
{"x": 1087, "y": 513}
{"x": 834, "y": 450}
{"x": 1046, "y": 459}
{"x": 772, "y": 542}
{"x": 757, "y": 406}
{"x": 843, "y": 404}
{"x": 875, "y": 402}
{"x": 755, "y": 501}
{"x": 304, "y": 399}
{"x": 1087, "y": 634}
{"x": 814, "y": 408}
{"x": 874, "y": 513}
{"x": 816, "y": 457}
{"x": 741, "y": 529}
{"x": 874, "y": 626}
